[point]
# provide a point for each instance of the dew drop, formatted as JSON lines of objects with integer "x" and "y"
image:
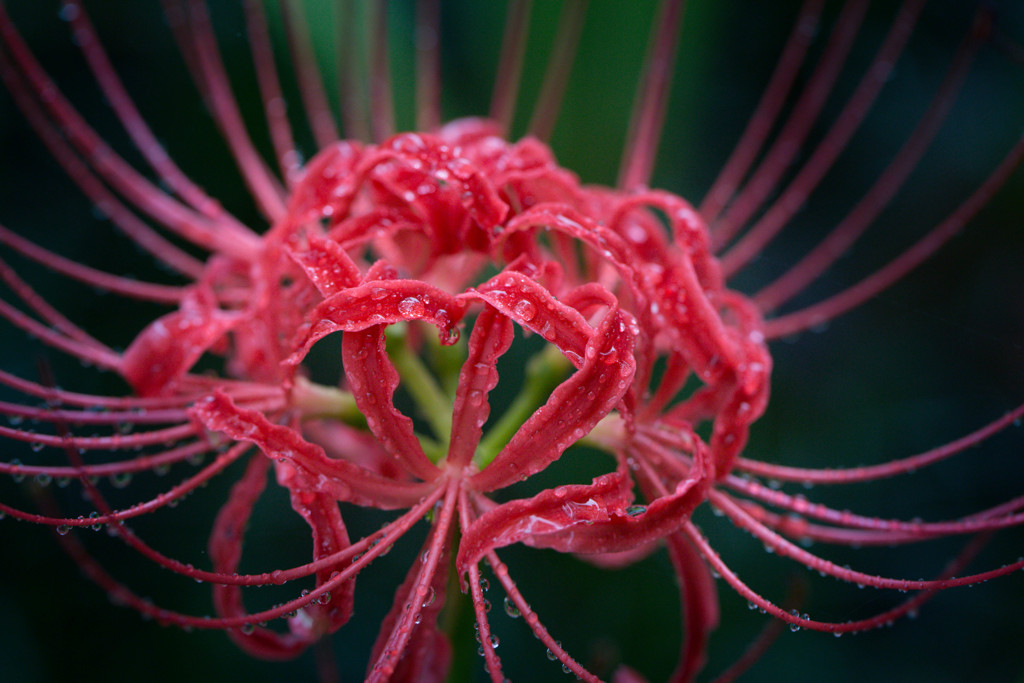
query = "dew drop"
{"x": 411, "y": 307}
{"x": 511, "y": 609}
{"x": 121, "y": 480}
{"x": 16, "y": 473}
{"x": 796, "y": 627}
{"x": 525, "y": 310}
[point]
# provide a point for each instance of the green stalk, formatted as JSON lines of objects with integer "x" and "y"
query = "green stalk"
{"x": 457, "y": 621}
{"x": 544, "y": 372}
{"x": 431, "y": 401}
{"x": 320, "y": 401}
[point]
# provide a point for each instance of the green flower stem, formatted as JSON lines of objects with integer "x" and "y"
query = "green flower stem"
{"x": 544, "y": 372}
{"x": 434, "y": 450}
{"x": 318, "y": 401}
{"x": 432, "y": 402}
{"x": 457, "y": 620}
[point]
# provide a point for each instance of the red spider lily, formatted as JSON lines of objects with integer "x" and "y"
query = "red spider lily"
{"x": 647, "y": 355}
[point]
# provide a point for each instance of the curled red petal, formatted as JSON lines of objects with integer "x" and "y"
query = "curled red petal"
{"x": 597, "y": 518}
{"x": 171, "y": 345}
{"x": 327, "y": 183}
{"x": 491, "y": 338}
{"x": 380, "y": 302}
{"x": 327, "y": 265}
{"x": 623, "y": 531}
{"x": 589, "y": 297}
{"x": 460, "y": 187}
{"x": 573, "y": 408}
{"x": 549, "y": 511}
{"x": 225, "y": 549}
{"x": 329, "y": 536}
{"x": 533, "y": 307}
{"x": 373, "y": 380}
{"x": 311, "y": 469}
{"x": 566, "y": 220}
{"x": 360, "y": 228}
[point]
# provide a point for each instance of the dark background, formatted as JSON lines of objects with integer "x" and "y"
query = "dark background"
{"x": 927, "y": 361}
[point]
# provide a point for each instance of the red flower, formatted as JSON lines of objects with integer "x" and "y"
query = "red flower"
{"x": 644, "y": 361}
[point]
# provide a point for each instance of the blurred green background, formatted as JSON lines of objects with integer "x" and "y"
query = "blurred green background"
{"x": 929, "y": 360}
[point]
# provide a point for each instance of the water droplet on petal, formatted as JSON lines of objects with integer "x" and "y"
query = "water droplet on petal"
{"x": 411, "y": 307}
{"x": 525, "y": 310}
